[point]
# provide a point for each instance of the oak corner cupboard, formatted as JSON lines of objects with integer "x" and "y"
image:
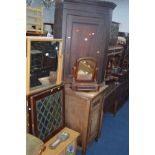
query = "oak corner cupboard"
{"x": 84, "y": 26}
{"x": 84, "y": 113}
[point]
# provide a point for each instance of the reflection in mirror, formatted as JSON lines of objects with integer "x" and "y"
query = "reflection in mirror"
{"x": 44, "y": 62}
{"x": 86, "y": 69}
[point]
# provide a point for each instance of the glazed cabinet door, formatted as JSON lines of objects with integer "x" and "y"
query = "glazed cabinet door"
{"x": 83, "y": 39}
{"x": 46, "y": 112}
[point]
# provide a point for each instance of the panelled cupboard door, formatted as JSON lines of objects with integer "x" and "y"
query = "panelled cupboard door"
{"x": 84, "y": 38}
{"x": 95, "y": 120}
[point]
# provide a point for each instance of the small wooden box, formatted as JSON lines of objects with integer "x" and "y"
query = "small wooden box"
{"x": 67, "y": 147}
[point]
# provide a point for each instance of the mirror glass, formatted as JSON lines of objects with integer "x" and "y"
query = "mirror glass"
{"x": 85, "y": 70}
{"x": 43, "y": 63}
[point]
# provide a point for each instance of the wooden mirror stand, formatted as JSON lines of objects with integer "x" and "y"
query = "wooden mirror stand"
{"x": 84, "y": 75}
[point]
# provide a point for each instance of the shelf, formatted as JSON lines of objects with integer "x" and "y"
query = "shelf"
{"x": 114, "y": 53}
{"x": 32, "y": 23}
{"x": 115, "y": 48}
{"x": 37, "y": 52}
{"x": 35, "y": 17}
{"x": 34, "y": 67}
{"x": 35, "y": 9}
{"x": 32, "y": 31}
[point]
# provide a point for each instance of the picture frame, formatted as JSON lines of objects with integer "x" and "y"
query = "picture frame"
{"x": 48, "y": 27}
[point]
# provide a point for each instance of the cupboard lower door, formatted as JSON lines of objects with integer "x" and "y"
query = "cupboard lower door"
{"x": 94, "y": 123}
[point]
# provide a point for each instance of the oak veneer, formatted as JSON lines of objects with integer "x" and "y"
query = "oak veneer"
{"x": 83, "y": 113}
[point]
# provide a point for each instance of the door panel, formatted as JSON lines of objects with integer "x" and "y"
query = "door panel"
{"x": 95, "y": 120}
{"x": 83, "y": 39}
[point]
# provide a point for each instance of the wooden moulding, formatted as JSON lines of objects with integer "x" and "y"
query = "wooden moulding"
{"x": 28, "y": 56}
{"x": 29, "y": 39}
{"x": 34, "y": 126}
{"x": 89, "y": 2}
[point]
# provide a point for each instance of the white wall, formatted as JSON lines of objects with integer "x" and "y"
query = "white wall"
{"x": 121, "y": 14}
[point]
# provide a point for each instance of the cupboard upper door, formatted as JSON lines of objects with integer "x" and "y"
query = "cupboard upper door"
{"x": 84, "y": 37}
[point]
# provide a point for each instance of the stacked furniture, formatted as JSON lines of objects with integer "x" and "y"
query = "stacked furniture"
{"x": 45, "y": 102}
{"x": 115, "y": 96}
{"x": 84, "y": 25}
{"x": 115, "y": 56}
{"x": 114, "y": 63}
{"x": 117, "y": 70}
{"x": 114, "y": 30}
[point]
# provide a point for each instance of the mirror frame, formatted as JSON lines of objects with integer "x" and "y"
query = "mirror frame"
{"x": 75, "y": 70}
{"x": 29, "y": 39}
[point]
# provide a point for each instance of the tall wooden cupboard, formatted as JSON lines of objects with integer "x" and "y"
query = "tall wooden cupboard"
{"x": 84, "y": 26}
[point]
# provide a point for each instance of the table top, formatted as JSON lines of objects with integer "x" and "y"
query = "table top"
{"x": 114, "y": 86}
{"x": 89, "y": 94}
{"x": 73, "y": 135}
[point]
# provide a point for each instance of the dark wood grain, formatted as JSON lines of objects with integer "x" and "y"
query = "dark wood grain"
{"x": 88, "y": 17}
{"x": 115, "y": 96}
